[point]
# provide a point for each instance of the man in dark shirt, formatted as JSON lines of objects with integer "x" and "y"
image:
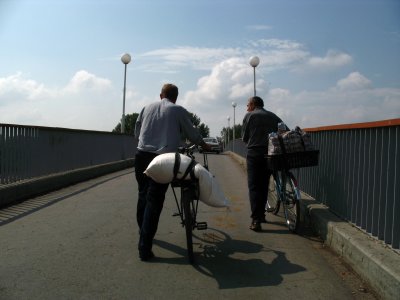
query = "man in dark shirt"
{"x": 257, "y": 124}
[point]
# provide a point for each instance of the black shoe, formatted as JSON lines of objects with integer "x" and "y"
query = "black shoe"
{"x": 145, "y": 256}
{"x": 255, "y": 226}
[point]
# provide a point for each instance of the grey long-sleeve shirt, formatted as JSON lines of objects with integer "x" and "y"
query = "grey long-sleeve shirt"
{"x": 159, "y": 127}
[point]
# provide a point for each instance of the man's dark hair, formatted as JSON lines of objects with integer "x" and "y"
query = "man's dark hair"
{"x": 257, "y": 101}
{"x": 170, "y": 91}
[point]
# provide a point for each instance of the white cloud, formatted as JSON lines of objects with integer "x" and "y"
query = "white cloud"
{"x": 278, "y": 44}
{"x": 27, "y": 102}
{"x": 259, "y": 27}
{"x": 16, "y": 87}
{"x": 343, "y": 103}
{"x": 335, "y": 106}
{"x": 354, "y": 80}
{"x": 194, "y": 57}
{"x": 274, "y": 54}
{"x": 91, "y": 102}
{"x": 332, "y": 59}
{"x": 223, "y": 82}
{"x": 83, "y": 80}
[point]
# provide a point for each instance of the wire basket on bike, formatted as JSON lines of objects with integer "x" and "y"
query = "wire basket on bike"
{"x": 291, "y": 149}
{"x": 292, "y": 160}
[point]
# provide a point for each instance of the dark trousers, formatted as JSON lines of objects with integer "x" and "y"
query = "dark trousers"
{"x": 258, "y": 180}
{"x": 151, "y": 198}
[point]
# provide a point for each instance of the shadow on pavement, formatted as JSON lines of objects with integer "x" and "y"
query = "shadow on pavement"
{"x": 230, "y": 263}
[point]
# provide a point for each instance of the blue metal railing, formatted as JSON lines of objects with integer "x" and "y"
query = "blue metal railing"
{"x": 31, "y": 151}
{"x": 357, "y": 177}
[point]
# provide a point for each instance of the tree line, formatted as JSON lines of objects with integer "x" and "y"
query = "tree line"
{"x": 228, "y": 132}
{"x": 130, "y": 121}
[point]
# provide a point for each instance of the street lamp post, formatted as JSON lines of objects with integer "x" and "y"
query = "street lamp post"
{"x": 126, "y": 59}
{"x": 254, "y": 61}
{"x": 229, "y": 126}
{"x": 234, "y": 136}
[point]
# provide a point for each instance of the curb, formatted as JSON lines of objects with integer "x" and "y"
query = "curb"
{"x": 371, "y": 259}
{"x": 239, "y": 159}
{"x": 375, "y": 262}
{"x": 26, "y": 189}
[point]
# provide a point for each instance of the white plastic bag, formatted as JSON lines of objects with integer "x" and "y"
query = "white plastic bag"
{"x": 293, "y": 141}
{"x": 210, "y": 192}
{"x": 161, "y": 168}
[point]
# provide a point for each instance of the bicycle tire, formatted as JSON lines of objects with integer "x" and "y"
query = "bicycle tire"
{"x": 188, "y": 222}
{"x": 291, "y": 203}
{"x": 273, "y": 200}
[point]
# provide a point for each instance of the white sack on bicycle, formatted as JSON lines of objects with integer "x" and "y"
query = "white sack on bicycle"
{"x": 161, "y": 168}
{"x": 210, "y": 192}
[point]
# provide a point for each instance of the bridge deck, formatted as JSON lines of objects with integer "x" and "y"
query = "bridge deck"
{"x": 81, "y": 243}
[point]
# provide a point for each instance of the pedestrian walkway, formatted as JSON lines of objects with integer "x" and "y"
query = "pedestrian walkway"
{"x": 81, "y": 243}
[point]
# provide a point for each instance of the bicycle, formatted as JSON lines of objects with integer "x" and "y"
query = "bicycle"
{"x": 288, "y": 194}
{"x": 189, "y": 200}
{"x": 285, "y": 184}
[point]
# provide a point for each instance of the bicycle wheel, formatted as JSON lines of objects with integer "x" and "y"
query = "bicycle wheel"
{"x": 291, "y": 203}
{"x": 188, "y": 222}
{"x": 273, "y": 200}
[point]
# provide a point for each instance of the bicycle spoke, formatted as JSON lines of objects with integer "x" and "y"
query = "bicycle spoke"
{"x": 273, "y": 200}
{"x": 291, "y": 206}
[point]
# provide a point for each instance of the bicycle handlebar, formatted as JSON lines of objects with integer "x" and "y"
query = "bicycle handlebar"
{"x": 188, "y": 150}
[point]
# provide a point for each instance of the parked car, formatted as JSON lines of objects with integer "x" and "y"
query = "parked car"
{"x": 214, "y": 144}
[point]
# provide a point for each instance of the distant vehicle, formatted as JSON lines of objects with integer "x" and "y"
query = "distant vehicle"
{"x": 214, "y": 144}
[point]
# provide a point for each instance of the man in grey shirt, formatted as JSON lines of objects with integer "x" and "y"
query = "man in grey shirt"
{"x": 159, "y": 127}
{"x": 258, "y": 123}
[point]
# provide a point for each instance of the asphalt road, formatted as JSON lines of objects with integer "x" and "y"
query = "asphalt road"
{"x": 81, "y": 243}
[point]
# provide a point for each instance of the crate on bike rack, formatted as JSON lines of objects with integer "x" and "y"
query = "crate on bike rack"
{"x": 293, "y": 160}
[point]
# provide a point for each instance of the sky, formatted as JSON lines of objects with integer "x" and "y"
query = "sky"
{"x": 321, "y": 62}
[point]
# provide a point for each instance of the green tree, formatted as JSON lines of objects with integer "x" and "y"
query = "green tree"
{"x": 229, "y": 131}
{"x": 203, "y": 128}
{"x": 130, "y": 120}
{"x": 238, "y": 131}
{"x": 195, "y": 119}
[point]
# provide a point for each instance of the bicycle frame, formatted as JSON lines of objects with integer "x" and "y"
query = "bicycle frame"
{"x": 288, "y": 195}
{"x": 194, "y": 184}
{"x": 189, "y": 201}
{"x": 185, "y": 184}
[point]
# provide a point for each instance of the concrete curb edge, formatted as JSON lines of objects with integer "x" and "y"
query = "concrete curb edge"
{"x": 374, "y": 261}
{"x": 20, "y": 191}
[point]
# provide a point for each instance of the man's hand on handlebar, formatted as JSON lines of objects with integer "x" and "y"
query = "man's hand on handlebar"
{"x": 205, "y": 146}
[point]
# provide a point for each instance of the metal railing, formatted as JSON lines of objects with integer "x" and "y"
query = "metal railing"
{"x": 32, "y": 151}
{"x": 357, "y": 176}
